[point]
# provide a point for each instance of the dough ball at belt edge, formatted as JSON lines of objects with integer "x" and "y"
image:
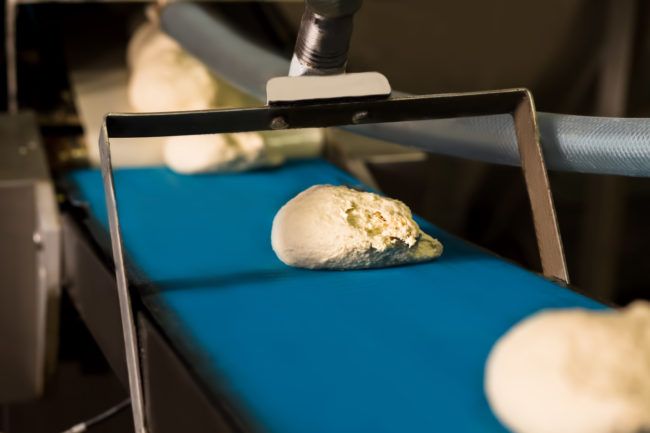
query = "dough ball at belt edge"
{"x": 335, "y": 227}
{"x": 573, "y": 371}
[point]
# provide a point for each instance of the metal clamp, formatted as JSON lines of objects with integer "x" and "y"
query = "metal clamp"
{"x": 324, "y": 37}
{"x": 517, "y": 102}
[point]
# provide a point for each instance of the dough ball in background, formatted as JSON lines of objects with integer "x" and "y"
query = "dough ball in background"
{"x": 197, "y": 153}
{"x": 163, "y": 77}
{"x": 240, "y": 151}
{"x": 146, "y": 43}
{"x": 172, "y": 81}
{"x": 191, "y": 154}
{"x": 573, "y": 371}
{"x": 335, "y": 227}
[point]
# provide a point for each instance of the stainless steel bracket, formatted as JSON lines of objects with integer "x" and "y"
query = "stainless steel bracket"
{"x": 517, "y": 102}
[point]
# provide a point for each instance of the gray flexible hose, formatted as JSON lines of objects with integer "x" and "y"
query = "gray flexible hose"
{"x": 571, "y": 143}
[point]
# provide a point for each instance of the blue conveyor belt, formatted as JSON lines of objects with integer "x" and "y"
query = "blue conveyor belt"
{"x": 299, "y": 351}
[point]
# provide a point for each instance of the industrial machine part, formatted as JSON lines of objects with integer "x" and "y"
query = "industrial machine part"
{"x": 324, "y": 37}
{"x": 517, "y": 102}
{"x": 314, "y": 52}
{"x": 571, "y": 143}
{"x": 292, "y": 90}
{"x": 30, "y": 260}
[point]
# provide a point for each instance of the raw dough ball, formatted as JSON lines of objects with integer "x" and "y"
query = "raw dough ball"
{"x": 335, "y": 227}
{"x": 164, "y": 77}
{"x": 172, "y": 81}
{"x": 573, "y": 371}
{"x": 146, "y": 43}
{"x": 240, "y": 151}
{"x": 218, "y": 153}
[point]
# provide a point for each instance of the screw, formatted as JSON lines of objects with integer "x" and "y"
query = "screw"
{"x": 279, "y": 123}
{"x": 359, "y": 117}
{"x": 38, "y": 240}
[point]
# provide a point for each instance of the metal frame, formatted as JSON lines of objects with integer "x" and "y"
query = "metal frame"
{"x": 517, "y": 102}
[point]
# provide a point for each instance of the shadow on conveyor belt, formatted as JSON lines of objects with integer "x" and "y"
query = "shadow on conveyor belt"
{"x": 146, "y": 287}
{"x": 455, "y": 250}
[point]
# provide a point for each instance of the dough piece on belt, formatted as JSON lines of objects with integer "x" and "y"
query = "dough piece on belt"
{"x": 224, "y": 153}
{"x": 573, "y": 371}
{"x": 335, "y": 227}
{"x": 166, "y": 78}
{"x": 219, "y": 153}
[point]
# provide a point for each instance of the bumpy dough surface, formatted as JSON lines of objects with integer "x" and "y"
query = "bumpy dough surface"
{"x": 335, "y": 227}
{"x": 573, "y": 371}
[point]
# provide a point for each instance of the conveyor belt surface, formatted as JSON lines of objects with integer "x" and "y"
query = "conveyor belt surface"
{"x": 299, "y": 351}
